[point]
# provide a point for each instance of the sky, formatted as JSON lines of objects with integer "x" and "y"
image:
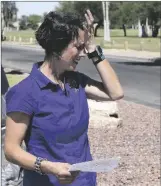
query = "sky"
{"x": 27, "y": 8}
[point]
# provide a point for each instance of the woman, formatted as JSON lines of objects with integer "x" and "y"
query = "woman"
{"x": 49, "y": 108}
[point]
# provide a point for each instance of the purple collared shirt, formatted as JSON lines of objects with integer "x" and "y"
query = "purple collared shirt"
{"x": 59, "y": 123}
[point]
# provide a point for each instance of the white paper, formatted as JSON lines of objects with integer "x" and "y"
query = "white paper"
{"x": 96, "y": 165}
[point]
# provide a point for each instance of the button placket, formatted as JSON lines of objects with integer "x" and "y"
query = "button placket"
{"x": 70, "y": 97}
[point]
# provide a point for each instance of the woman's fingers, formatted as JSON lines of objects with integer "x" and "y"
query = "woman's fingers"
{"x": 67, "y": 179}
{"x": 65, "y": 182}
{"x": 88, "y": 20}
{"x": 89, "y": 29}
{"x": 85, "y": 28}
{"x": 91, "y": 18}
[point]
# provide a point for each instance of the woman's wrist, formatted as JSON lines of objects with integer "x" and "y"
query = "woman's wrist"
{"x": 91, "y": 48}
{"x": 46, "y": 167}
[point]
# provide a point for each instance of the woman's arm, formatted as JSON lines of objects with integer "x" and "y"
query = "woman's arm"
{"x": 16, "y": 127}
{"x": 110, "y": 87}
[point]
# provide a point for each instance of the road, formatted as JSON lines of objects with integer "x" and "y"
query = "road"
{"x": 141, "y": 83}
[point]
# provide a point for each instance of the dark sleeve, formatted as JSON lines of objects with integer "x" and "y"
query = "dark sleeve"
{"x": 83, "y": 79}
{"x": 19, "y": 100}
{"x": 4, "y": 82}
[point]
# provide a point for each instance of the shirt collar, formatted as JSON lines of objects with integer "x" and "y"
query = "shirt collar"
{"x": 40, "y": 78}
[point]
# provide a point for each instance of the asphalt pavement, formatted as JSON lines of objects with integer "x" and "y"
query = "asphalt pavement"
{"x": 140, "y": 79}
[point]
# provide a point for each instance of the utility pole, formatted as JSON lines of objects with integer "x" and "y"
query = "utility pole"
{"x": 105, "y": 6}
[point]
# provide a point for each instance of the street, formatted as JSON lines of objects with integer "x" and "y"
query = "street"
{"x": 141, "y": 83}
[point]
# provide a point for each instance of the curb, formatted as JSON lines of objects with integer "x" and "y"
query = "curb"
{"x": 139, "y": 59}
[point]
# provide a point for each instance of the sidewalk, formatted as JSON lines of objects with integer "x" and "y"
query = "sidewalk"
{"x": 120, "y": 53}
{"x": 132, "y": 53}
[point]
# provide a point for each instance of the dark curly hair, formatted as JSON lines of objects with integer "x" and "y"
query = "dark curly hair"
{"x": 57, "y": 31}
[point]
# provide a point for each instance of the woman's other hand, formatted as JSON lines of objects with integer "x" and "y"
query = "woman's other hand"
{"x": 60, "y": 170}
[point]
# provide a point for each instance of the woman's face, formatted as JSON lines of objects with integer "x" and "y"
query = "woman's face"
{"x": 73, "y": 53}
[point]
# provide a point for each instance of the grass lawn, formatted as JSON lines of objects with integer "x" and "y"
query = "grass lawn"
{"x": 14, "y": 79}
{"x": 25, "y": 35}
{"x": 118, "y": 41}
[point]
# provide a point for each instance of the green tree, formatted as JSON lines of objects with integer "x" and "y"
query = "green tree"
{"x": 33, "y": 21}
{"x": 128, "y": 13}
{"x": 80, "y": 7}
{"x": 23, "y": 22}
{"x": 66, "y": 6}
{"x": 154, "y": 14}
{"x": 8, "y": 12}
{"x": 150, "y": 10}
{"x": 120, "y": 13}
{"x": 115, "y": 14}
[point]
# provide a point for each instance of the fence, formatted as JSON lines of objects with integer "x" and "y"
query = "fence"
{"x": 140, "y": 45}
{"x": 22, "y": 40}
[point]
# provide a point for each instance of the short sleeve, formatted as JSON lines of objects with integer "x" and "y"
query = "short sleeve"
{"x": 83, "y": 79}
{"x": 19, "y": 100}
{"x": 4, "y": 84}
